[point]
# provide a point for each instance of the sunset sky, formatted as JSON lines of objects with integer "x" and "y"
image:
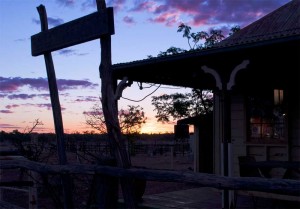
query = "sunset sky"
{"x": 142, "y": 28}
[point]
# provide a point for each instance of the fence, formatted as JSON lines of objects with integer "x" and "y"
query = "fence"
{"x": 279, "y": 186}
{"x": 23, "y": 185}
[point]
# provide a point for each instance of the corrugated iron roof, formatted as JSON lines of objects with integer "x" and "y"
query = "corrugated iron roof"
{"x": 282, "y": 22}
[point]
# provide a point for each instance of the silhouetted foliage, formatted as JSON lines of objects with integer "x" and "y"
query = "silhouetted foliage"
{"x": 199, "y": 101}
{"x": 180, "y": 105}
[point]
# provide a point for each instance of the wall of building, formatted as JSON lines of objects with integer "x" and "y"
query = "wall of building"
{"x": 294, "y": 120}
{"x": 238, "y": 131}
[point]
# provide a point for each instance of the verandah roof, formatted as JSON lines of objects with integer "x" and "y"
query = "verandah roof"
{"x": 271, "y": 44}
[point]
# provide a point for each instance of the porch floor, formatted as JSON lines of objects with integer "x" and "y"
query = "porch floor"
{"x": 206, "y": 198}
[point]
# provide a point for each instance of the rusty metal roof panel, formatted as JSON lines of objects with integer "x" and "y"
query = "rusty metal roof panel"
{"x": 282, "y": 22}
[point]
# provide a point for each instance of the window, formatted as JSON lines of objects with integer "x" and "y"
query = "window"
{"x": 267, "y": 118}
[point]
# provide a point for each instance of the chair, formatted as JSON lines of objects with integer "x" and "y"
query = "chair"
{"x": 246, "y": 171}
{"x": 278, "y": 200}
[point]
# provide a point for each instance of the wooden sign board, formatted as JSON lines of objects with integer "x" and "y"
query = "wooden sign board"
{"x": 78, "y": 31}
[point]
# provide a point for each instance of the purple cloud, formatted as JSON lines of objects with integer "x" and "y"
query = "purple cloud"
{"x": 116, "y": 4}
{"x": 12, "y": 84}
{"x": 6, "y": 111}
{"x": 67, "y": 3}
{"x": 48, "y": 106}
{"x": 92, "y": 113}
{"x": 64, "y": 84}
{"x": 55, "y": 21}
{"x": 21, "y": 96}
{"x": 69, "y": 52}
{"x": 169, "y": 19}
{"x": 27, "y": 96}
{"x": 66, "y": 52}
{"x": 207, "y": 12}
{"x": 51, "y": 21}
{"x": 143, "y": 6}
{"x": 87, "y": 99}
{"x": 20, "y": 39}
{"x": 88, "y": 4}
{"x": 128, "y": 20}
{"x": 6, "y": 125}
{"x": 11, "y": 106}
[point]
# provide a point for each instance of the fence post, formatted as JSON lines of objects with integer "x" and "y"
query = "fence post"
{"x": 1, "y": 191}
{"x": 106, "y": 187}
{"x": 172, "y": 157}
{"x": 32, "y": 191}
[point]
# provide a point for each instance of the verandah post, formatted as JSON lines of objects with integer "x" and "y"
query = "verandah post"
{"x": 110, "y": 111}
{"x": 56, "y": 109}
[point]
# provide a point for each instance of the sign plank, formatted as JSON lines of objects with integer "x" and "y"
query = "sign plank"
{"x": 78, "y": 31}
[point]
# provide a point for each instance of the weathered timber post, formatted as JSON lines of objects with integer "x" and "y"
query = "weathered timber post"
{"x": 110, "y": 111}
{"x": 53, "y": 93}
{"x": 56, "y": 109}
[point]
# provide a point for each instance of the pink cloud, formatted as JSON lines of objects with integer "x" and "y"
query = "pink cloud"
{"x": 11, "y": 106}
{"x": 169, "y": 19}
{"x": 211, "y": 12}
{"x": 116, "y": 4}
{"x": 144, "y": 6}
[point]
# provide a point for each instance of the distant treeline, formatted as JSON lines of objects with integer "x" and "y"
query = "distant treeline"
{"x": 51, "y": 137}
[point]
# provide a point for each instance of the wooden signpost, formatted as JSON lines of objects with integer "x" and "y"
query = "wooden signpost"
{"x": 96, "y": 25}
{"x": 78, "y": 31}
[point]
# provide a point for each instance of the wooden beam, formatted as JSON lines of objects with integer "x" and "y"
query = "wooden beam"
{"x": 16, "y": 183}
{"x": 78, "y": 31}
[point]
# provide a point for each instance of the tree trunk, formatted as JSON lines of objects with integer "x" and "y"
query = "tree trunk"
{"x": 110, "y": 111}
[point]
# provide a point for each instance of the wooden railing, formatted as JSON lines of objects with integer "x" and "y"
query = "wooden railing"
{"x": 20, "y": 185}
{"x": 279, "y": 186}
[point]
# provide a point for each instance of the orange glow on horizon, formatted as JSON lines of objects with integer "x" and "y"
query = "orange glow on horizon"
{"x": 157, "y": 128}
{"x": 150, "y": 127}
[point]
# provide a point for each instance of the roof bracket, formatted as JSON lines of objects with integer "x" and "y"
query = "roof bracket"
{"x": 239, "y": 67}
{"x": 215, "y": 74}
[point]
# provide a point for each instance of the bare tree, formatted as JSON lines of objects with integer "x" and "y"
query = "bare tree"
{"x": 38, "y": 151}
{"x": 130, "y": 119}
{"x": 35, "y": 123}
